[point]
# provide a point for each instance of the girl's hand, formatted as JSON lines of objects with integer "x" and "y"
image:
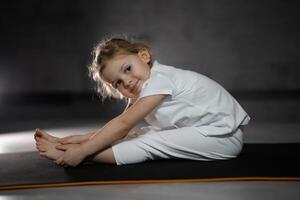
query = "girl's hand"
{"x": 73, "y": 155}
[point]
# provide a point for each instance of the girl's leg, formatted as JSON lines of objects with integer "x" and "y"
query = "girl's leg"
{"x": 46, "y": 143}
{"x": 106, "y": 156}
{"x": 185, "y": 143}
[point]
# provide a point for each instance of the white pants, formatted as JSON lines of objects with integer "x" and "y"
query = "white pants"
{"x": 187, "y": 143}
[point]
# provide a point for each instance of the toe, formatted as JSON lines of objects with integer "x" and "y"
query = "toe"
{"x": 38, "y": 133}
{"x": 37, "y": 138}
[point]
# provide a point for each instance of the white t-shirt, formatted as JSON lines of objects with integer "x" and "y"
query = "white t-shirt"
{"x": 192, "y": 100}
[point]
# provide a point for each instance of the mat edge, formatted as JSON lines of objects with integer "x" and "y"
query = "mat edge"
{"x": 47, "y": 185}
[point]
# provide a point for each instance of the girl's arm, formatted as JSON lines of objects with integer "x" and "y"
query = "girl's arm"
{"x": 119, "y": 127}
{"x": 129, "y": 104}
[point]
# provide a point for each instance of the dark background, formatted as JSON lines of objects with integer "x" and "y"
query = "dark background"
{"x": 249, "y": 47}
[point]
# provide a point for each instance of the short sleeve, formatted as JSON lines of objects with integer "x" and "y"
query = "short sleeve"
{"x": 157, "y": 84}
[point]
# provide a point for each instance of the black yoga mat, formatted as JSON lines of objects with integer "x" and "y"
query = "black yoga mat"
{"x": 256, "y": 162}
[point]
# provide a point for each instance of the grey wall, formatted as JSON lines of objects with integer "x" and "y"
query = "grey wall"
{"x": 250, "y": 47}
{"x": 245, "y": 45}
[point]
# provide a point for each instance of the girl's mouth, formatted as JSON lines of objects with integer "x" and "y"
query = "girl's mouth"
{"x": 135, "y": 87}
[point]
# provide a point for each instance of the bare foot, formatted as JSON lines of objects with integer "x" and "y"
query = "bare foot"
{"x": 47, "y": 149}
{"x": 42, "y": 134}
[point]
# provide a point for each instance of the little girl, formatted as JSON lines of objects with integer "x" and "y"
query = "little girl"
{"x": 189, "y": 115}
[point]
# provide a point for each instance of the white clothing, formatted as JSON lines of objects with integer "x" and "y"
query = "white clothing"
{"x": 183, "y": 143}
{"x": 197, "y": 111}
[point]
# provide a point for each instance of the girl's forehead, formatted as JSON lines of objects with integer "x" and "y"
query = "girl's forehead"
{"x": 117, "y": 59}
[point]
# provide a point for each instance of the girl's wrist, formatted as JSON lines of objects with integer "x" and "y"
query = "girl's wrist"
{"x": 86, "y": 148}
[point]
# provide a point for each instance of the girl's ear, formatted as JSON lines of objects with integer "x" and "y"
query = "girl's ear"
{"x": 144, "y": 55}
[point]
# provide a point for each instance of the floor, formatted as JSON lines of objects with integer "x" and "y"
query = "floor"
{"x": 174, "y": 191}
{"x": 19, "y": 138}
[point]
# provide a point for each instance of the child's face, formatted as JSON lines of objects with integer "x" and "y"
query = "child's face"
{"x": 127, "y": 73}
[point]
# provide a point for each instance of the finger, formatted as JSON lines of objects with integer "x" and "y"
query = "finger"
{"x": 43, "y": 154}
{"x": 59, "y": 160}
{"x": 61, "y": 147}
{"x": 65, "y": 140}
{"x": 61, "y": 140}
{"x": 60, "y": 163}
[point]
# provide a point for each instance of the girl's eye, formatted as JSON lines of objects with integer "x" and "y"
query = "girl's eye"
{"x": 127, "y": 69}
